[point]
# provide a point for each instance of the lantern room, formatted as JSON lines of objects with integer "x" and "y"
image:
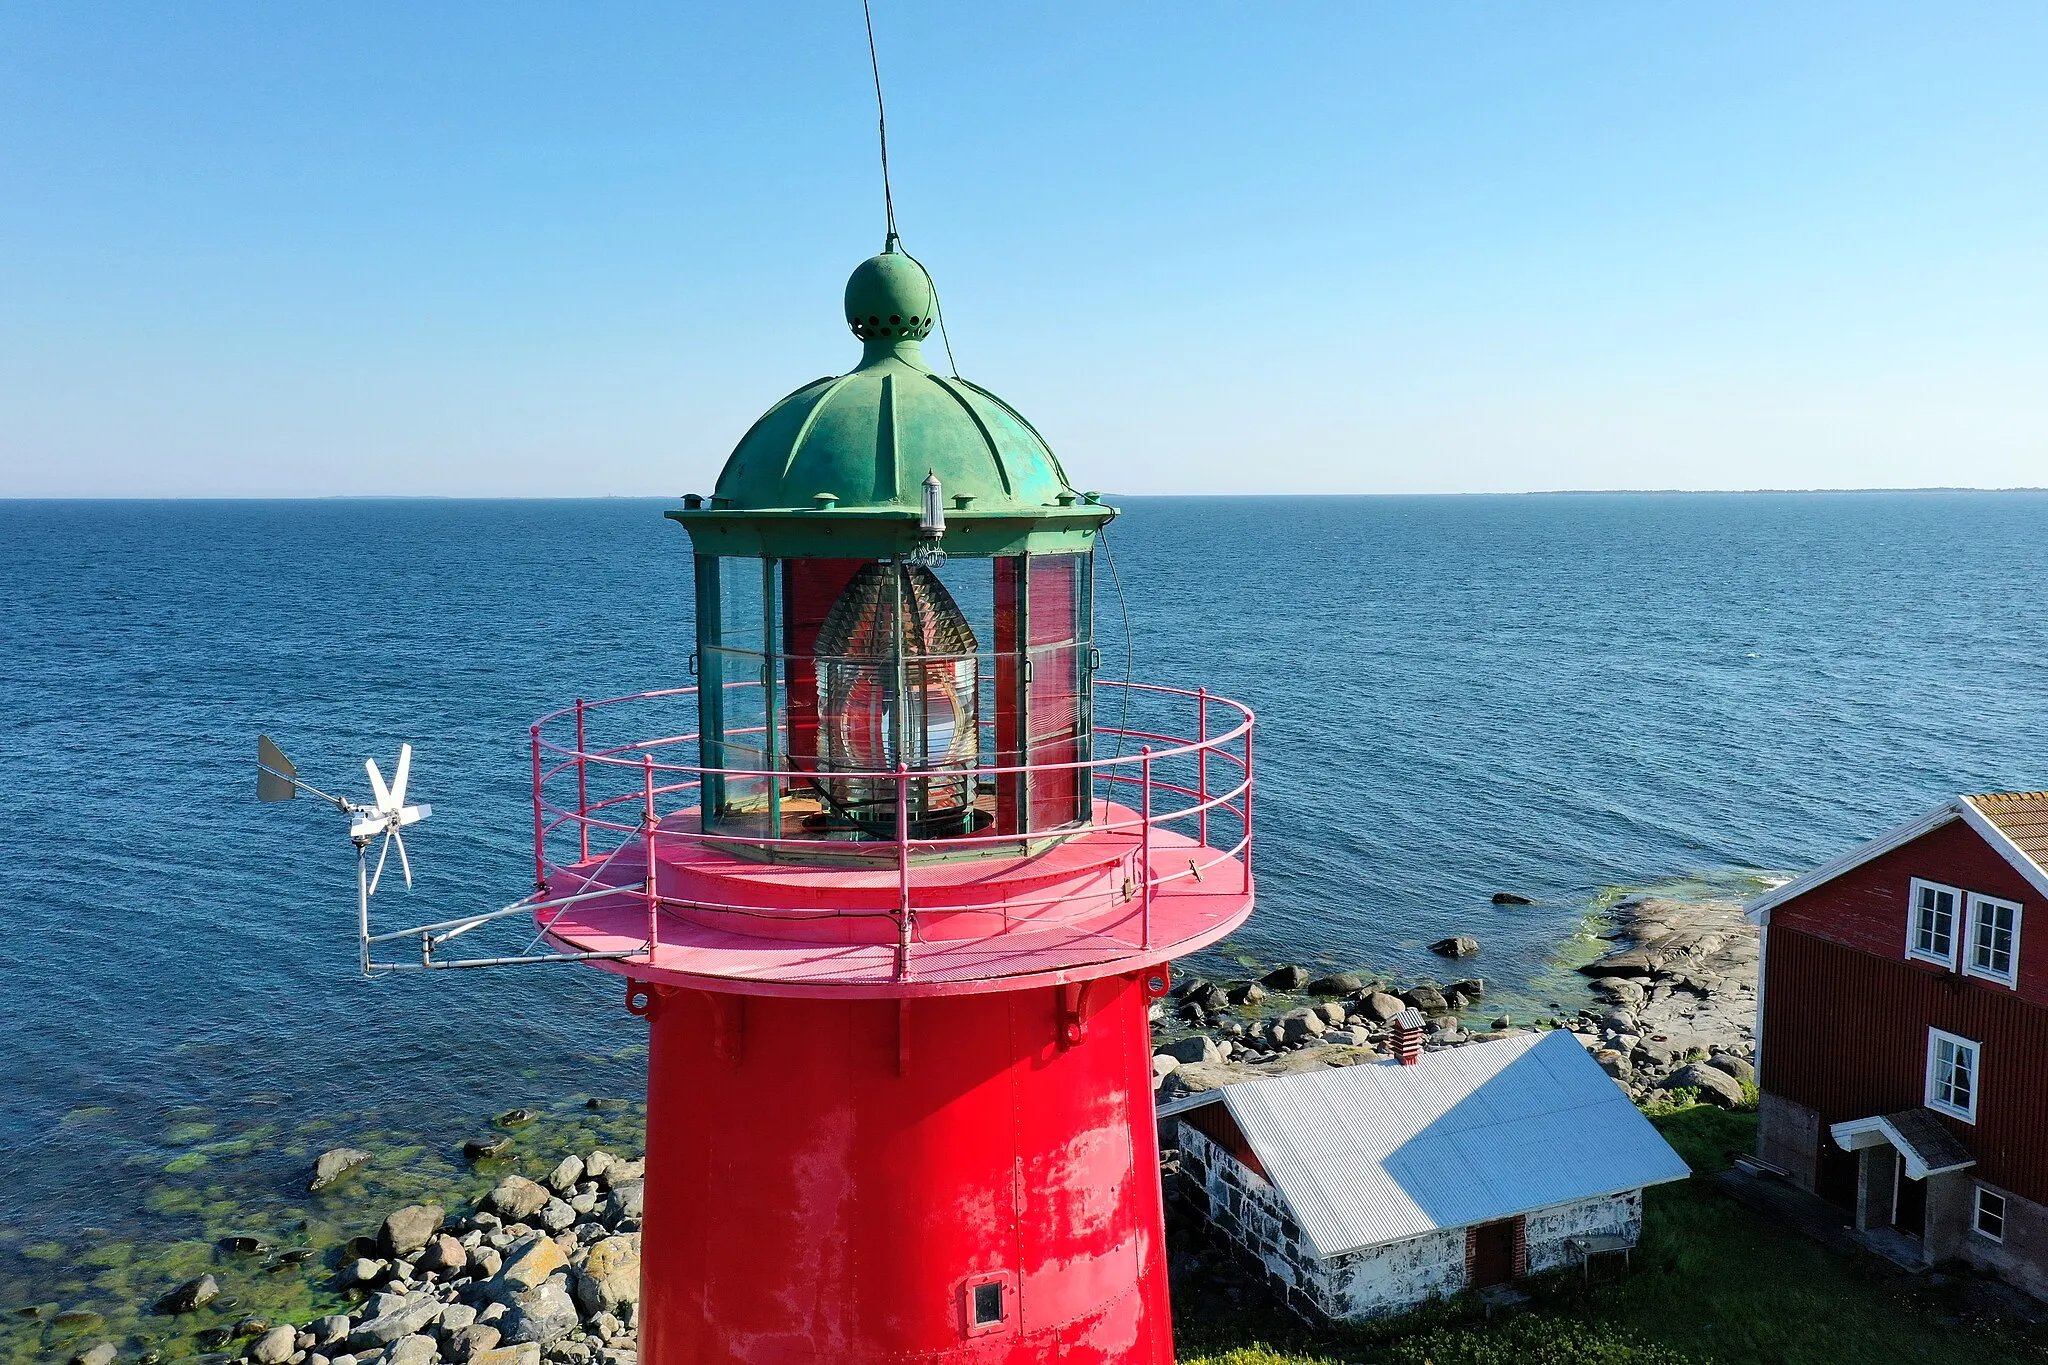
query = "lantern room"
{"x": 895, "y": 608}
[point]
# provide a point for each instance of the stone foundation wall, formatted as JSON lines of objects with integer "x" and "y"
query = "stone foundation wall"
{"x": 1617, "y": 1215}
{"x": 1788, "y": 1136}
{"x": 2022, "y": 1258}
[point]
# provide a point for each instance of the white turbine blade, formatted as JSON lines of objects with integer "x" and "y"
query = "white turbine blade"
{"x": 382, "y": 854}
{"x": 403, "y": 861}
{"x": 398, "y": 779}
{"x": 412, "y": 815}
{"x": 377, "y": 787}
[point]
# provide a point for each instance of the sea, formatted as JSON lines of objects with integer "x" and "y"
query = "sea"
{"x": 1571, "y": 697}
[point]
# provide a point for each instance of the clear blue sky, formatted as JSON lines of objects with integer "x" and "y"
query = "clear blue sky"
{"x": 252, "y": 248}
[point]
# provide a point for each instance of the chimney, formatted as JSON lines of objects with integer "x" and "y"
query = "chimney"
{"x": 1404, "y": 1036}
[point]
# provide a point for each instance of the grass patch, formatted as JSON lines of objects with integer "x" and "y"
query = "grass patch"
{"x": 1712, "y": 1283}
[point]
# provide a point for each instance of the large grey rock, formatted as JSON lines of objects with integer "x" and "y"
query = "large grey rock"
{"x": 1621, "y": 990}
{"x": 541, "y": 1314}
{"x": 1735, "y": 1066}
{"x": 1510, "y": 898}
{"x": 557, "y": 1216}
{"x": 627, "y": 1202}
{"x": 1380, "y": 1007}
{"x": 408, "y": 1229}
{"x": 276, "y": 1346}
{"x": 1349, "y": 1037}
{"x": 1195, "y": 1050}
{"x": 102, "y": 1354}
{"x": 335, "y": 1164}
{"x": 1301, "y": 1024}
{"x": 517, "y": 1198}
{"x": 1246, "y": 993}
{"x": 1426, "y": 998}
{"x": 1458, "y": 945}
{"x": 196, "y": 1293}
{"x": 1667, "y": 1048}
{"x": 1333, "y": 1012}
{"x": 412, "y": 1313}
{"x": 1715, "y": 1085}
{"x": 562, "y": 1180}
{"x": 413, "y": 1350}
{"x": 1163, "y": 1064}
{"x": 1472, "y": 988}
{"x": 526, "y": 1353}
{"x": 467, "y": 1343}
{"x": 1210, "y": 999}
{"x": 443, "y": 1255}
{"x": 610, "y": 1275}
{"x": 331, "y": 1330}
{"x": 528, "y": 1263}
{"x": 1336, "y": 983}
{"x": 1289, "y": 978}
{"x": 363, "y": 1272}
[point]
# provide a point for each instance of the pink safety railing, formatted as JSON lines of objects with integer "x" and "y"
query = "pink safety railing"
{"x": 624, "y": 791}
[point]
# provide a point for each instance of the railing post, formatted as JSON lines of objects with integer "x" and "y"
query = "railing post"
{"x": 540, "y": 835}
{"x": 902, "y": 870}
{"x": 1145, "y": 844}
{"x": 1202, "y": 762}
{"x": 1247, "y": 809}
{"x": 582, "y": 786}
{"x": 650, "y": 821}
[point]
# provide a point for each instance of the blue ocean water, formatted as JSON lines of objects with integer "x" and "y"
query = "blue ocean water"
{"x": 1555, "y": 695}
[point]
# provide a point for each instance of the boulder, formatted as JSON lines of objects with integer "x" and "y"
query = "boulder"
{"x": 1163, "y": 1064}
{"x": 1333, "y": 1012}
{"x": 596, "y": 1164}
{"x": 1289, "y": 978}
{"x": 484, "y": 1148}
{"x": 557, "y": 1216}
{"x": 409, "y": 1315}
{"x": 563, "y": 1179}
{"x": 1715, "y": 1085}
{"x": 1246, "y": 993}
{"x": 540, "y": 1314}
{"x": 190, "y": 1295}
{"x": 1621, "y": 990}
{"x": 628, "y": 1198}
{"x": 1379, "y": 1007}
{"x": 454, "y": 1317}
{"x": 1735, "y": 1066}
{"x": 1198, "y": 1049}
{"x": 1348, "y": 1037}
{"x": 1472, "y": 988}
{"x": 1510, "y": 898}
{"x": 1627, "y": 962}
{"x": 517, "y": 1198}
{"x": 102, "y": 1354}
{"x": 363, "y": 1272}
{"x": 1210, "y": 999}
{"x": 484, "y": 1262}
{"x": 1336, "y": 983}
{"x": 1298, "y": 1025}
{"x": 408, "y": 1229}
{"x": 1426, "y": 998}
{"x": 276, "y": 1346}
{"x": 527, "y": 1264}
{"x": 418, "y": 1349}
{"x": 468, "y": 1343}
{"x": 443, "y": 1255}
{"x": 610, "y": 1275}
{"x": 334, "y": 1164}
{"x": 331, "y": 1330}
{"x": 1458, "y": 945}
{"x": 526, "y": 1353}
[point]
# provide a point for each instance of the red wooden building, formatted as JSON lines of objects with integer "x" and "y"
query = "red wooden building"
{"x": 1903, "y": 1035}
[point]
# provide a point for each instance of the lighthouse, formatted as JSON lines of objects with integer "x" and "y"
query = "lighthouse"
{"x": 895, "y": 884}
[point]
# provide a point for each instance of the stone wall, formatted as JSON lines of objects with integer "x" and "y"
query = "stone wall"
{"x": 1376, "y": 1281}
{"x": 1611, "y": 1215}
{"x": 2022, "y": 1258}
{"x": 1788, "y": 1137}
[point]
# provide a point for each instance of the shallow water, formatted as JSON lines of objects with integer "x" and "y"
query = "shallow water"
{"x": 1553, "y": 695}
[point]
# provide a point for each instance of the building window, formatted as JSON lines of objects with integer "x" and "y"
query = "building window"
{"x": 1993, "y": 949}
{"x": 1931, "y": 927}
{"x": 1990, "y": 1220}
{"x": 988, "y": 1304}
{"x": 1952, "y": 1075}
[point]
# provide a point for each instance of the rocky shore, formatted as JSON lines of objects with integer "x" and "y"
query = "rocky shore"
{"x": 537, "y": 1271}
{"x": 1674, "y": 1008}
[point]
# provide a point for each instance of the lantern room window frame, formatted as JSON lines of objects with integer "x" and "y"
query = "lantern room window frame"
{"x": 759, "y": 699}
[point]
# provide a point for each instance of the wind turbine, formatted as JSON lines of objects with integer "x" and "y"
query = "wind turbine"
{"x": 388, "y": 815}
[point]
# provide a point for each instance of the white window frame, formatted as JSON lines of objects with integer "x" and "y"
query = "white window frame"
{"x": 1968, "y": 957}
{"x": 1977, "y": 1214}
{"x": 1955, "y": 922}
{"x": 1935, "y": 1038}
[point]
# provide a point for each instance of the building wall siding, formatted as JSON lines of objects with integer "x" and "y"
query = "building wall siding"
{"x": 1866, "y": 906}
{"x": 1845, "y": 1034}
{"x": 1376, "y": 1281}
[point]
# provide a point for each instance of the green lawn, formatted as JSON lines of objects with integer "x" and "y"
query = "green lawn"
{"x": 1712, "y": 1282}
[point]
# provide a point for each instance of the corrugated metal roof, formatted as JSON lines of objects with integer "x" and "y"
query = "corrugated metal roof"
{"x": 1381, "y": 1152}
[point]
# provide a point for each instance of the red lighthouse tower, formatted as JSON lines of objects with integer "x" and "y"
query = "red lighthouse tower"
{"x": 894, "y": 893}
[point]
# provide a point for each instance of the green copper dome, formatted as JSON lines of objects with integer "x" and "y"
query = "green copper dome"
{"x": 845, "y": 459}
